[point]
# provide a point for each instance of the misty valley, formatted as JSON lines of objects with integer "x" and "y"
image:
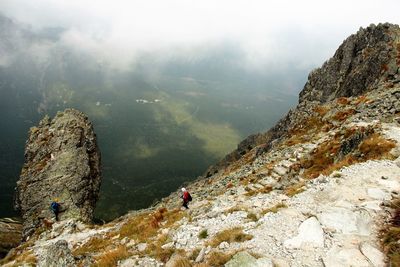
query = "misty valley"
{"x": 159, "y": 123}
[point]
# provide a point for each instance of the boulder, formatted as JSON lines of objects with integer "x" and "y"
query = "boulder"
{"x": 244, "y": 259}
{"x": 62, "y": 161}
{"x": 310, "y": 235}
{"x": 346, "y": 221}
{"x": 57, "y": 255}
{"x": 10, "y": 235}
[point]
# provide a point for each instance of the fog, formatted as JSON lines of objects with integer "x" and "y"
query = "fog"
{"x": 270, "y": 33}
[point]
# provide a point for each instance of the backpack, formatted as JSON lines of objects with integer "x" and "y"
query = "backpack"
{"x": 189, "y": 197}
{"x": 54, "y": 206}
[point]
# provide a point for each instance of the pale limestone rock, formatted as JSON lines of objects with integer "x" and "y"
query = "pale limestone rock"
{"x": 244, "y": 259}
{"x": 340, "y": 257}
{"x": 378, "y": 194}
{"x": 373, "y": 254}
{"x": 310, "y": 235}
{"x": 346, "y": 221}
{"x": 142, "y": 247}
{"x": 201, "y": 255}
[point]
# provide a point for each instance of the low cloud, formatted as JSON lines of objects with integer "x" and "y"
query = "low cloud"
{"x": 274, "y": 33}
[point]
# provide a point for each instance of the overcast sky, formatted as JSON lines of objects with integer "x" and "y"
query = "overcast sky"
{"x": 305, "y": 32}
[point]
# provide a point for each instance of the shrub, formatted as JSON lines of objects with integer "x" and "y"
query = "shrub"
{"x": 203, "y": 234}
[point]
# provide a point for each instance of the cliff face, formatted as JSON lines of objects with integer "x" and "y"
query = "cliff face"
{"x": 315, "y": 190}
{"x": 62, "y": 161}
{"x": 362, "y": 63}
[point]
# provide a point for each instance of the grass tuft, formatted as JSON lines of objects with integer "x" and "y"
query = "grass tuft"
{"x": 274, "y": 209}
{"x": 230, "y": 235}
{"x": 216, "y": 258}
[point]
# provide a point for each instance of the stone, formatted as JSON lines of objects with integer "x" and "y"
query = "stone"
{"x": 346, "y": 220}
{"x": 376, "y": 257}
{"x": 62, "y": 161}
{"x": 244, "y": 259}
{"x": 310, "y": 235}
{"x": 201, "y": 255}
{"x": 223, "y": 245}
{"x": 167, "y": 245}
{"x": 378, "y": 194}
{"x": 280, "y": 170}
{"x": 57, "y": 255}
{"x": 10, "y": 235}
{"x": 141, "y": 247}
{"x": 338, "y": 257}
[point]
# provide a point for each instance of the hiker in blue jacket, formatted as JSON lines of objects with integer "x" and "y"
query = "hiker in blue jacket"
{"x": 55, "y": 208}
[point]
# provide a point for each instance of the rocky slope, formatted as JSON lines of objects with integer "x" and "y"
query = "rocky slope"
{"x": 62, "y": 161}
{"x": 315, "y": 190}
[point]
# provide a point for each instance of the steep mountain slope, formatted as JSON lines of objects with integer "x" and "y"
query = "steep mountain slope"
{"x": 315, "y": 190}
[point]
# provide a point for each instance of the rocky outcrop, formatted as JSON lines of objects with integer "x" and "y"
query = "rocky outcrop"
{"x": 360, "y": 63}
{"x": 10, "y": 235}
{"x": 62, "y": 161}
{"x": 364, "y": 62}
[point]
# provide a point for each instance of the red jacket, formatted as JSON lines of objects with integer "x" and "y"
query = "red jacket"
{"x": 186, "y": 196}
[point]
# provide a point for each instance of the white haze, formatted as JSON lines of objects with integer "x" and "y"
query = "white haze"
{"x": 270, "y": 33}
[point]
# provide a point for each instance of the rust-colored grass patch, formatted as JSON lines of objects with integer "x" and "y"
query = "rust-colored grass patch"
{"x": 376, "y": 147}
{"x": 342, "y": 101}
{"x": 343, "y": 114}
{"x": 111, "y": 257}
{"x": 295, "y": 189}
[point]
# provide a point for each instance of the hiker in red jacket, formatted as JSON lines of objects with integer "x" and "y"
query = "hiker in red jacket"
{"x": 186, "y": 198}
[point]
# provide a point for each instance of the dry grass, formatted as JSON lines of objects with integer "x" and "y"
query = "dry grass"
{"x": 111, "y": 257}
{"x": 252, "y": 192}
{"x": 155, "y": 250}
{"x": 182, "y": 262}
{"x": 343, "y": 115}
{"x": 202, "y": 264}
{"x": 274, "y": 209}
{"x": 145, "y": 225}
{"x": 252, "y": 216}
{"x": 360, "y": 99}
{"x": 295, "y": 189}
{"x": 342, "y": 101}
{"x": 321, "y": 110}
{"x": 391, "y": 236}
{"x": 230, "y": 235}
{"x": 376, "y": 147}
{"x": 95, "y": 244}
{"x": 235, "y": 208}
{"x": 216, "y": 258}
{"x": 322, "y": 159}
